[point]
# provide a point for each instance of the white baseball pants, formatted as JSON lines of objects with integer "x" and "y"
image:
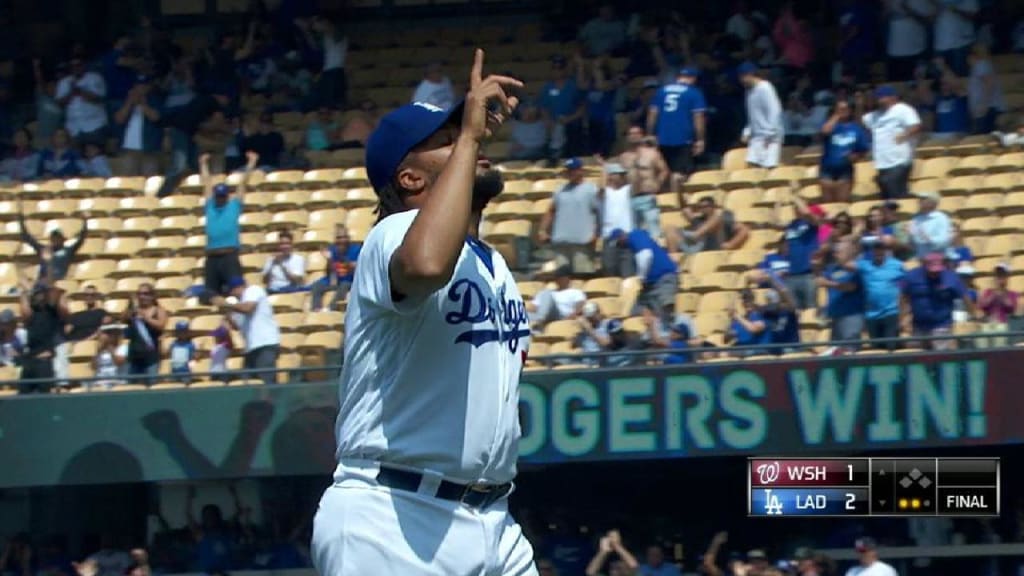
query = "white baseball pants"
{"x": 363, "y": 528}
{"x": 763, "y": 152}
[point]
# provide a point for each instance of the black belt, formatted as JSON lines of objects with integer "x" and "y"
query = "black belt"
{"x": 478, "y": 496}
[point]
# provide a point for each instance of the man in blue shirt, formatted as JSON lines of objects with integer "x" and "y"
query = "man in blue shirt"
{"x": 223, "y": 232}
{"x": 747, "y": 327}
{"x": 563, "y": 108}
{"x": 676, "y": 118}
{"x": 341, "y": 268}
{"x": 844, "y": 142}
{"x": 655, "y": 564}
{"x": 801, "y": 244}
{"x": 656, "y": 269}
{"x": 930, "y": 292}
{"x": 881, "y": 275}
{"x": 845, "y": 295}
{"x": 781, "y": 323}
{"x": 952, "y": 117}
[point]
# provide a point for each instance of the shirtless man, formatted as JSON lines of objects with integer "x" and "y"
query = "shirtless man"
{"x": 648, "y": 173}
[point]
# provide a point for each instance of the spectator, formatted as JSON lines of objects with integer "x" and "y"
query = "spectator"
{"x": 95, "y": 164}
{"x": 604, "y": 34}
{"x": 801, "y": 244}
{"x": 869, "y": 564}
{"x": 793, "y": 36}
{"x": 655, "y": 268}
{"x": 929, "y": 293}
{"x": 999, "y": 303}
{"x": 638, "y": 108}
{"x": 253, "y": 316}
{"x": 181, "y": 352}
{"x": 321, "y": 130}
{"x": 179, "y": 84}
{"x": 676, "y": 118}
{"x": 145, "y": 319}
{"x": 984, "y": 90}
{"x": 285, "y": 271}
{"x": 43, "y": 313}
{"x": 560, "y": 303}
{"x": 142, "y": 137}
{"x": 111, "y": 559}
{"x": 332, "y": 87}
{"x": 876, "y": 229}
{"x": 830, "y": 235}
{"x": 435, "y": 88}
{"x": 22, "y": 164}
{"x": 359, "y": 126}
{"x": 893, "y": 129}
{"x": 12, "y": 339}
{"x": 60, "y": 160}
{"x": 183, "y": 123}
{"x": 54, "y": 260}
{"x": 81, "y": 94}
{"x": 799, "y": 121}
{"x": 680, "y": 338}
{"x": 223, "y": 346}
{"x": 907, "y": 36}
{"x": 562, "y": 107}
{"x": 782, "y": 325}
{"x": 111, "y": 355}
{"x": 648, "y": 173}
{"x": 845, "y": 141}
{"x": 1011, "y": 139}
{"x": 743, "y": 22}
{"x": 528, "y": 136}
{"x": 341, "y": 260}
{"x": 710, "y": 228}
{"x": 764, "y": 132}
{"x": 952, "y": 118}
{"x": 616, "y": 214}
{"x": 215, "y": 538}
{"x": 953, "y": 32}
{"x": 856, "y": 38}
{"x": 845, "y": 294}
{"x": 611, "y": 543}
{"x": 881, "y": 276}
{"x": 655, "y": 564}
{"x": 85, "y": 324}
{"x": 930, "y": 229}
{"x": 266, "y": 142}
{"x": 957, "y": 251}
{"x": 571, "y": 225}
{"x": 49, "y": 112}
{"x": 593, "y": 336}
{"x": 596, "y": 79}
{"x": 120, "y": 66}
{"x": 222, "y": 226}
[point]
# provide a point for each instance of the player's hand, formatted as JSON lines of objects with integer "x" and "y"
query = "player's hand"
{"x": 86, "y": 568}
{"x": 605, "y": 545}
{"x": 543, "y": 237}
{"x": 698, "y": 147}
{"x": 251, "y": 158}
{"x": 615, "y": 538}
{"x": 487, "y": 105}
{"x": 720, "y": 538}
{"x": 204, "y": 159}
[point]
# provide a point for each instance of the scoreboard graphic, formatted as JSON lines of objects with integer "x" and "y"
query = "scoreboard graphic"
{"x": 836, "y": 487}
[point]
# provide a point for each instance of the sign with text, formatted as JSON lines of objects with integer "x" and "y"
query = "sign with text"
{"x": 837, "y": 405}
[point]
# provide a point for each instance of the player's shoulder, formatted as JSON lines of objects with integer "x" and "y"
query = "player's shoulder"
{"x": 390, "y": 226}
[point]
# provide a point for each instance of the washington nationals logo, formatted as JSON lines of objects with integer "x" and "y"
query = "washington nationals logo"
{"x": 473, "y": 307}
{"x": 768, "y": 473}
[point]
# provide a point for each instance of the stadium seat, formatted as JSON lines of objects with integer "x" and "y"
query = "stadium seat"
{"x": 687, "y": 302}
{"x": 558, "y": 330}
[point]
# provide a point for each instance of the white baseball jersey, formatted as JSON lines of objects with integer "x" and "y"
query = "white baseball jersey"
{"x": 764, "y": 112}
{"x": 433, "y": 384}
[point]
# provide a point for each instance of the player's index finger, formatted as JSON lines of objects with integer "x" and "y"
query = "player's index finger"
{"x": 477, "y": 72}
{"x": 506, "y": 80}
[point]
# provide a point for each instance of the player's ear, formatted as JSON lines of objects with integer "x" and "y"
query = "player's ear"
{"x": 411, "y": 181}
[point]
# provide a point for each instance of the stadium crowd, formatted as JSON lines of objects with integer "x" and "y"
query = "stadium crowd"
{"x": 688, "y": 94}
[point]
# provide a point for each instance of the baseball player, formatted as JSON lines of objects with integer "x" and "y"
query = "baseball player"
{"x": 436, "y": 337}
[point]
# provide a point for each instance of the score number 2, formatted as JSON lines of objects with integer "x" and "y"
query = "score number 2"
{"x": 850, "y": 499}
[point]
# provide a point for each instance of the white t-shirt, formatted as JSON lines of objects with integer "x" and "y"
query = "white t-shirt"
{"x": 877, "y": 568}
{"x": 885, "y": 126}
{"x": 294, "y": 264}
{"x": 952, "y": 30}
{"x": 219, "y": 358}
{"x": 433, "y": 383}
{"x": 567, "y": 301}
{"x": 440, "y": 94}
{"x": 979, "y": 103}
{"x": 907, "y": 34}
{"x": 617, "y": 211}
{"x": 106, "y": 366}
{"x": 82, "y": 115}
{"x": 335, "y": 52}
{"x": 133, "y": 130}
{"x": 764, "y": 111}
{"x": 259, "y": 328}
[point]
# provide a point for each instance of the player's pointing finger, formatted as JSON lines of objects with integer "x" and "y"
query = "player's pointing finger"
{"x": 476, "y": 74}
{"x": 506, "y": 81}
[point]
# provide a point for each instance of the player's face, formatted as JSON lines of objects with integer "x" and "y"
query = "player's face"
{"x": 655, "y": 556}
{"x": 843, "y": 111}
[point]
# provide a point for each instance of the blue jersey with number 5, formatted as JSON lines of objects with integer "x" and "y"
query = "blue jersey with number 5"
{"x": 676, "y": 105}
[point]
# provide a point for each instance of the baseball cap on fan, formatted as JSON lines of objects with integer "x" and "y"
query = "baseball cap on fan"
{"x": 397, "y": 134}
{"x": 865, "y": 544}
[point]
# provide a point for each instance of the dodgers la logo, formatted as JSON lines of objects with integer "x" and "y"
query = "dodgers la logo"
{"x": 473, "y": 307}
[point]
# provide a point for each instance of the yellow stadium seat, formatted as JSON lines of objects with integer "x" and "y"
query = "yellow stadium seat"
{"x": 127, "y": 287}
{"x": 173, "y": 267}
{"x": 744, "y": 178}
{"x": 979, "y": 226}
{"x": 976, "y": 205}
{"x": 605, "y": 286}
{"x": 510, "y": 229}
{"x": 961, "y": 185}
{"x": 721, "y": 301}
{"x": 559, "y": 330}
{"x": 687, "y": 302}
{"x": 254, "y": 221}
{"x": 82, "y": 187}
{"x": 186, "y": 224}
{"x": 162, "y": 246}
{"x": 133, "y": 206}
{"x": 327, "y": 340}
{"x": 715, "y": 281}
{"x": 139, "y": 226}
{"x": 317, "y": 321}
{"x": 53, "y": 208}
{"x": 1008, "y": 225}
{"x": 124, "y": 186}
{"x": 129, "y": 267}
{"x": 977, "y": 164}
{"x": 708, "y": 323}
{"x": 705, "y": 262}
{"x": 933, "y": 167}
{"x": 358, "y": 198}
{"x": 93, "y": 269}
{"x": 290, "y": 200}
{"x": 294, "y": 302}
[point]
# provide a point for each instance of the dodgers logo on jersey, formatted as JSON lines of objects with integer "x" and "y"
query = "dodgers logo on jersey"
{"x": 473, "y": 307}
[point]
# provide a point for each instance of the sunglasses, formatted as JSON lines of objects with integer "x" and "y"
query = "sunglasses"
{"x": 145, "y": 293}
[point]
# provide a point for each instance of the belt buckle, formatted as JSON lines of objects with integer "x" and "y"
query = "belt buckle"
{"x": 477, "y": 495}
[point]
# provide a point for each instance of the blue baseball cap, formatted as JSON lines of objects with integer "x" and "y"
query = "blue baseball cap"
{"x": 573, "y": 164}
{"x": 221, "y": 189}
{"x": 397, "y": 134}
{"x": 181, "y": 325}
{"x": 616, "y": 234}
{"x": 885, "y": 92}
{"x": 235, "y": 282}
{"x": 615, "y": 326}
{"x": 689, "y": 71}
{"x": 746, "y": 68}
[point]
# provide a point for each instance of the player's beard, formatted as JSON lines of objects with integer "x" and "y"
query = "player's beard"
{"x": 487, "y": 184}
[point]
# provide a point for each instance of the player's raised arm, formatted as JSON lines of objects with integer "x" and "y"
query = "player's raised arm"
{"x": 426, "y": 258}
{"x": 204, "y": 175}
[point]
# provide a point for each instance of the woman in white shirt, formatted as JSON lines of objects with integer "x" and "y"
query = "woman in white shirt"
{"x": 984, "y": 93}
{"x": 111, "y": 354}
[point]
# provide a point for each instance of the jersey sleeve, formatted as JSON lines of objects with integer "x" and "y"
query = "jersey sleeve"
{"x": 910, "y": 116}
{"x": 373, "y": 269}
{"x": 699, "y": 103}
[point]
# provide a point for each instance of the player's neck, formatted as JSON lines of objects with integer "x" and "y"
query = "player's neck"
{"x": 474, "y": 224}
